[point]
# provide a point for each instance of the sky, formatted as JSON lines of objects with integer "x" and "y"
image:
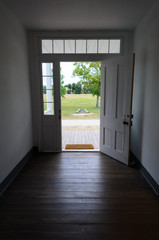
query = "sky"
{"x": 67, "y": 70}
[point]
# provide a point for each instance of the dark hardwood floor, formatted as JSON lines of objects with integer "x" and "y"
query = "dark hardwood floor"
{"x": 72, "y": 196}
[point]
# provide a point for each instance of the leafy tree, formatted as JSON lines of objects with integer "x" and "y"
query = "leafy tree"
{"x": 90, "y": 75}
{"x": 63, "y": 89}
{"x": 78, "y": 88}
{"x": 69, "y": 88}
{"x": 44, "y": 89}
{"x": 73, "y": 87}
{"x": 86, "y": 90}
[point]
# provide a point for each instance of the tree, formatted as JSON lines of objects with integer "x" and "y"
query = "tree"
{"x": 90, "y": 75}
{"x": 86, "y": 90}
{"x": 63, "y": 89}
{"x": 78, "y": 88}
{"x": 73, "y": 87}
{"x": 69, "y": 88}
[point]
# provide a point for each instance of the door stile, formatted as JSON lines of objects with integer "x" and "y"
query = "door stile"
{"x": 57, "y": 98}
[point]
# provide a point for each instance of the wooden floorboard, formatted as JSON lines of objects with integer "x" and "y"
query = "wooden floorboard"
{"x": 75, "y": 195}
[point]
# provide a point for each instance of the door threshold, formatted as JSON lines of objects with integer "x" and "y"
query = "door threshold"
{"x": 80, "y": 150}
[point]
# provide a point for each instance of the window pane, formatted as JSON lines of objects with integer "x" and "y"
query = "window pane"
{"x": 46, "y": 46}
{"x": 80, "y": 46}
{"x": 103, "y": 46}
{"x": 48, "y": 95}
{"x": 48, "y": 108}
{"x": 114, "y": 46}
{"x": 91, "y": 46}
{"x": 47, "y": 83}
{"x": 47, "y": 69}
{"x": 48, "y": 88}
{"x": 69, "y": 46}
{"x": 58, "y": 46}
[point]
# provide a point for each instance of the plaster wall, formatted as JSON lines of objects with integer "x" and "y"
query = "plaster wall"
{"x": 145, "y": 130}
{"x": 15, "y": 100}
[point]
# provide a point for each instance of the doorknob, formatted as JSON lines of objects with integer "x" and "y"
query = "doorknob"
{"x": 132, "y": 116}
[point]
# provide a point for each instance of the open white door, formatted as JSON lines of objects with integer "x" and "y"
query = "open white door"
{"x": 116, "y": 84}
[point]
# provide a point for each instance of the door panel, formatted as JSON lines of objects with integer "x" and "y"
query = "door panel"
{"x": 49, "y": 133}
{"x": 116, "y": 77}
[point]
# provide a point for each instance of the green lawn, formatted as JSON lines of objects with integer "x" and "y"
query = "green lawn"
{"x": 72, "y": 102}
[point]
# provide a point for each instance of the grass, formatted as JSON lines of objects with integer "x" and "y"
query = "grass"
{"x": 72, "y": 102}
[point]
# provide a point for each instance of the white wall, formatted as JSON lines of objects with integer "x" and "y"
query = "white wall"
{"x": 145, "y": 130}
{"x": 15, "y": 103}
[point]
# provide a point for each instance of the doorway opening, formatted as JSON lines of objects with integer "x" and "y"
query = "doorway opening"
{"x": 80, "y": 105}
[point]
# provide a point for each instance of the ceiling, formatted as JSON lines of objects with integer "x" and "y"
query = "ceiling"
{"x": 79, "y": 14}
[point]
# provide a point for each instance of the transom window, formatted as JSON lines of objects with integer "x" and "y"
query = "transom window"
{"x": 81, "y": 46}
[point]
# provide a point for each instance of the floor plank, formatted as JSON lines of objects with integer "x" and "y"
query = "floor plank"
{"x": 77, "y": 195}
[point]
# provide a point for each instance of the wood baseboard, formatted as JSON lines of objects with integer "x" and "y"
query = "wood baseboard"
{"x": 8, "y": 180}
{"x": 153, "y": 184}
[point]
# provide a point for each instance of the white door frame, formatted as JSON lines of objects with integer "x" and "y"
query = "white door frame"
{"x": 36, "y": 57}
{"x": 56, "y": 66}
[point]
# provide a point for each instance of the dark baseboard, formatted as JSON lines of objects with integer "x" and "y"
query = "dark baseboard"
{"x": 137, "y": 164}
{"x": 7, "y": 181}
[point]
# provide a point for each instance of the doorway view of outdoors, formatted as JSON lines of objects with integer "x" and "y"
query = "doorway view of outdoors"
{"x": 80, "y": 104}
